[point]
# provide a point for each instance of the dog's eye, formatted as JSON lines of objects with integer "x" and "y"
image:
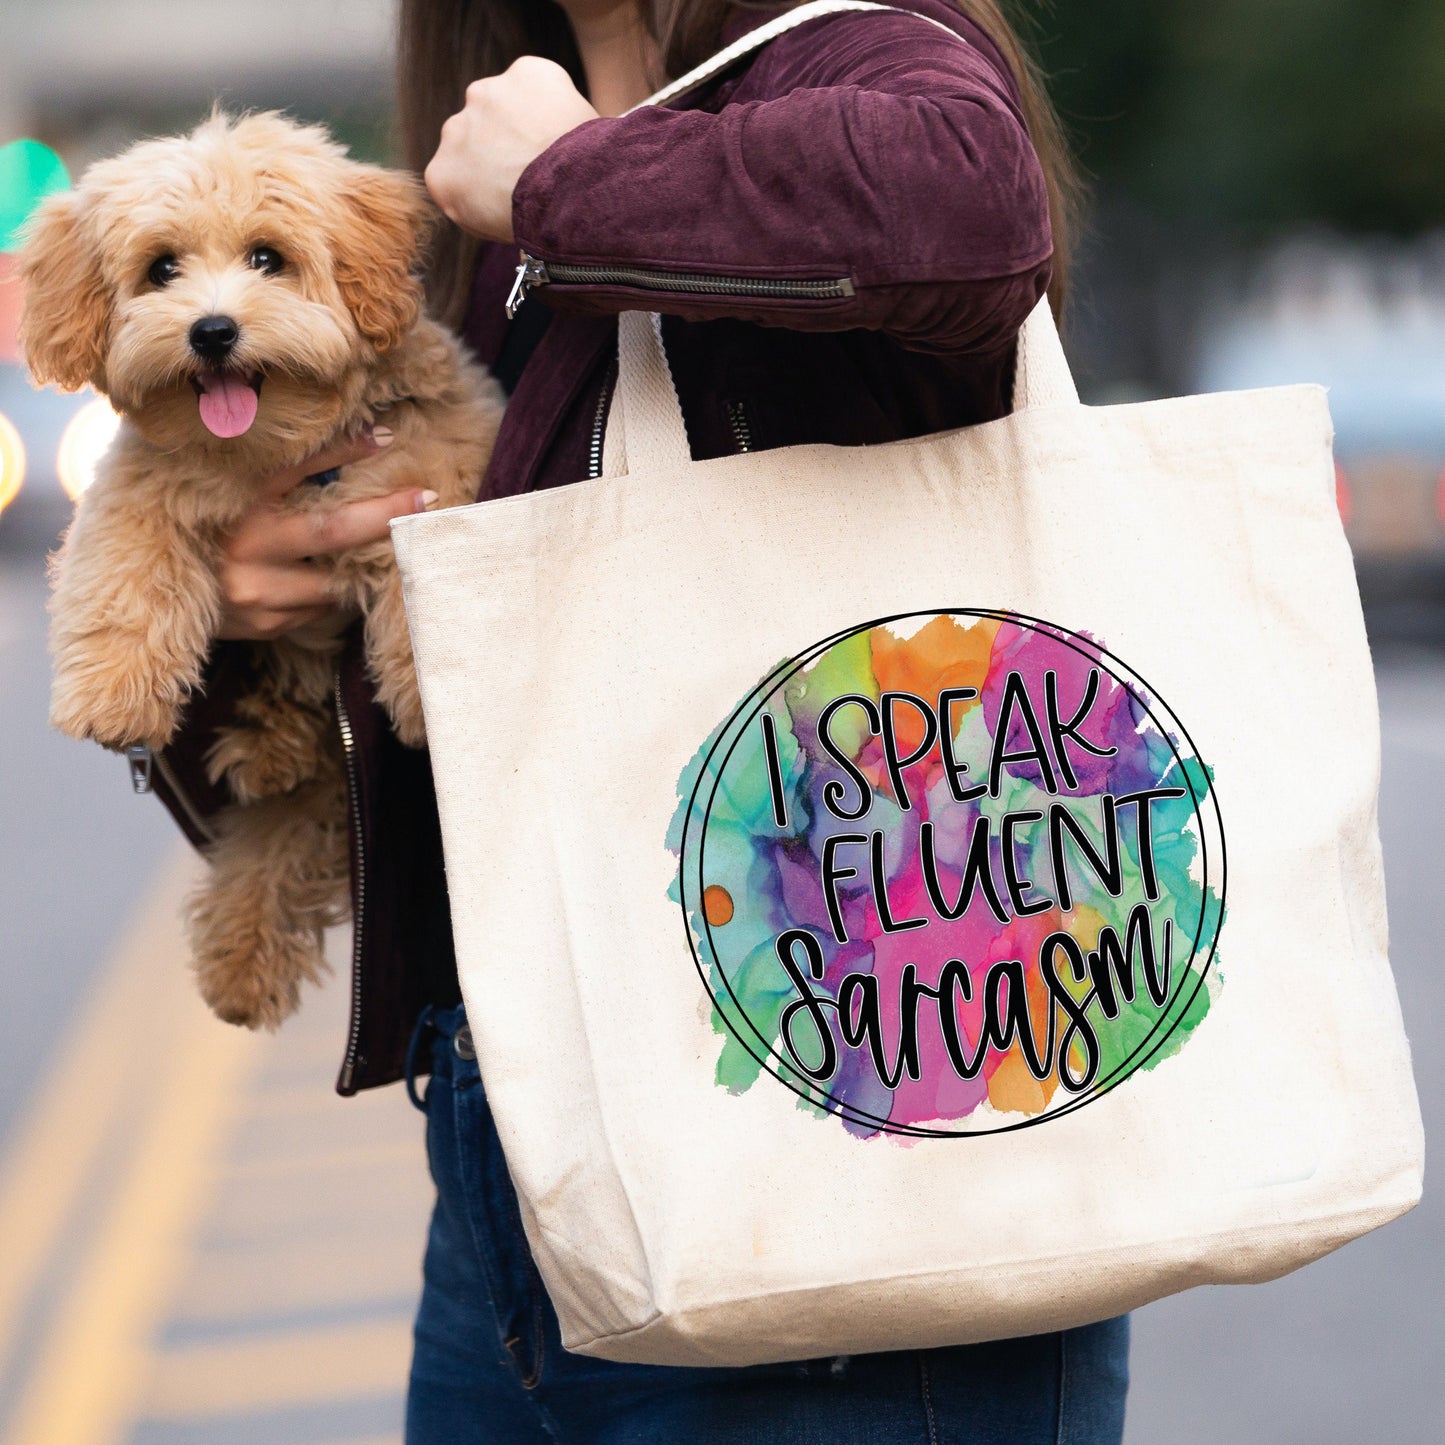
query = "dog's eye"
{"x": 163, "y": 270}
{"x": 266, "y": 259}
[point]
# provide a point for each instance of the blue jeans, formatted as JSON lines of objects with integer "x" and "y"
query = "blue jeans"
{"x": 489, "y": 1364}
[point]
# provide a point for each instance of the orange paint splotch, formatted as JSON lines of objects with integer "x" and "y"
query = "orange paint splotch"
{"x": 717, "y": 905}
{"x": 1012, "y": 1089}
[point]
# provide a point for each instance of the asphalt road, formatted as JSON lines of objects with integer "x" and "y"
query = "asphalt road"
{"x": 200, "y": 1242}
{"x": 1350, "y": 1349}
{"x": 77, "y": 849}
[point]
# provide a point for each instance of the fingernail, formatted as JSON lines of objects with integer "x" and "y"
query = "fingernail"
{"x": 383, "y": 436}
{"x": 427, "y": 498}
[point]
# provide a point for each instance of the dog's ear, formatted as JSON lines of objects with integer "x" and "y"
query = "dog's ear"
{"x": 66, "y": 310}
{"x": 377, "y": 250}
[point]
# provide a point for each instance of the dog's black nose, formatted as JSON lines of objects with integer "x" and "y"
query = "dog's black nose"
{"x": 212, "y": 337}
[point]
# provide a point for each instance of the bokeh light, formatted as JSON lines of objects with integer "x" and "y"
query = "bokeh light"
{"x": 86, "y": 439}
{"x": 29, "y": 171}
{"x": 12, "y": 461}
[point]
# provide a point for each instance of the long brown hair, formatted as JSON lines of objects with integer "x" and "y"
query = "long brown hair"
{"x": 446, "y": 44}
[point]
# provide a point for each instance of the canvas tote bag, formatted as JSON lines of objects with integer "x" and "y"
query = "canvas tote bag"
{"x": 920, "y": 893}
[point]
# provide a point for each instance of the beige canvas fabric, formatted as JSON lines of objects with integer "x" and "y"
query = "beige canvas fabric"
{"x": 632, "y": 856}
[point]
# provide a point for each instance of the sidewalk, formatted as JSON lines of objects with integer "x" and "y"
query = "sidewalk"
{"x": 200, "y": 1243}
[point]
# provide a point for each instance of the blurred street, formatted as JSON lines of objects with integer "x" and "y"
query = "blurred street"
{"x": 200, "y": 1242}
{"x": 203, "y": 1245}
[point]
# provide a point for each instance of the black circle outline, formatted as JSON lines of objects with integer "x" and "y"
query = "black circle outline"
{"x": 1102, "y": 1086}
{"x": 1095, "y": 652}
{"x": 767, "y": 689}
{"x": 1069, "y": 639}
{"x": 768, "y": 686}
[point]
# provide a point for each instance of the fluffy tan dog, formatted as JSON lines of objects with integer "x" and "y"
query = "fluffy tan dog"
{"x": 243, "y": 295}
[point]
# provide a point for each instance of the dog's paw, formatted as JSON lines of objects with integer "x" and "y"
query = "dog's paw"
{"x": 255, "y": 981}
{"x": 250, "y": 1007}
{"x": 260, "y": 764}
{"x": 247, "y": 970}
{"x": 250, "y": 953}
{"x": 111, "y": 708}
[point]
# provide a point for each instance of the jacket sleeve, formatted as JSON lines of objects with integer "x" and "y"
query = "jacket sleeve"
{"x": 883, "y": 152}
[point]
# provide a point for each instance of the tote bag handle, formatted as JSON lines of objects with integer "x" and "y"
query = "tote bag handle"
{"x": 645, "y": 422}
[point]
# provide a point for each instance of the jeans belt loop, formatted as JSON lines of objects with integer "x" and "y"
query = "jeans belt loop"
{"x": 413, "y": 1052}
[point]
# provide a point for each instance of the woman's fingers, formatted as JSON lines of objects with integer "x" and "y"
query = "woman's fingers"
{"x": 268, "y": 624}
{"x": 269, "y": 582}
{"x": 341, "y": 453}
{"x": 355, "y": 524}
{"x": 256, "y": 587}
{"x": 507, "y": 122}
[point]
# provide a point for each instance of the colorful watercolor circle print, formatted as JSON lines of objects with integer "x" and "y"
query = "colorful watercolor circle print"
{"x": 950, "y": 873}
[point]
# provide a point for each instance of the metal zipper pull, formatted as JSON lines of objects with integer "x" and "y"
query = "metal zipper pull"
{"x": 531, "y": 272}
{"x": 139, "y": 756}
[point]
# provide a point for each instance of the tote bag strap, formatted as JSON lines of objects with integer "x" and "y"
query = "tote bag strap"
{"x": 645, "y": 425}
{"x": 757, "y": 38}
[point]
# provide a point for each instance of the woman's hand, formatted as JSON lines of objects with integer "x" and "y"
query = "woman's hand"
{"x": 508, "y": 121}
{"x": 270, "y": 582}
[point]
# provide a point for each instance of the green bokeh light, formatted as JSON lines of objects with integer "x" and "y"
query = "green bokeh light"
{"x": 29, "y": 171}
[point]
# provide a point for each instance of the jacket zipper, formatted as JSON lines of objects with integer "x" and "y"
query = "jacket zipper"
{"x": 737, "y": 418}
{"x": 358, "y": 902}
{"x": 742, "y": 427}
{"x": 599, "y": 422}
{"x": 532, "y": 273}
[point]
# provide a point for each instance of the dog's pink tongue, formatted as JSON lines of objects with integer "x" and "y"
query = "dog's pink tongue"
{"x": 228, "y": 403}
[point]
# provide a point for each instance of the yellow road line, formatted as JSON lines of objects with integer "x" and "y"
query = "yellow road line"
{"x": 91, "y": 1369}
{"x": 56, "y": 1146}
{"x": 313, "y": 1367}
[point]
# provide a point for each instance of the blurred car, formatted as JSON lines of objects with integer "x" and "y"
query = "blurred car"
{"x": 59, "y": 451}
{"x": 1368, "y": 322}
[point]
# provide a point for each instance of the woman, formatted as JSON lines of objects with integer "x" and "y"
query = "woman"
{"x": 844, "y": 233}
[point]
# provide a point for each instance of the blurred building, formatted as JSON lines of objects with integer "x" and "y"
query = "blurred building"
{"x": 90, "y": 75}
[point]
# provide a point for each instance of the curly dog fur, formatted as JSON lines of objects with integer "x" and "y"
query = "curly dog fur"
{"x": 330, "y": 337}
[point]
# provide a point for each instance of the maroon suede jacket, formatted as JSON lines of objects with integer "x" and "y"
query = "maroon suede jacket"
{"x": 844, "y": 234}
